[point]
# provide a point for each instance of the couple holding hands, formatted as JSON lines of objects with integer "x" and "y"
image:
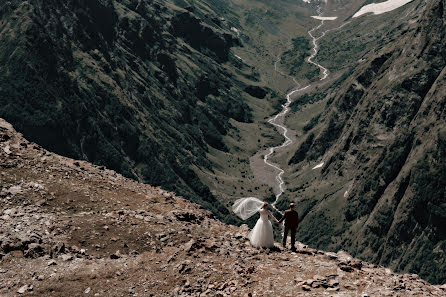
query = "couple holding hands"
{"x": 262, "y": 233}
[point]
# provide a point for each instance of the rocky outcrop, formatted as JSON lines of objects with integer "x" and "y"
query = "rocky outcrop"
{"x": 73, "y": 228}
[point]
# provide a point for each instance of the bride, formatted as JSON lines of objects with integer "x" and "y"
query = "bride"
{"x": 262, "y": 233}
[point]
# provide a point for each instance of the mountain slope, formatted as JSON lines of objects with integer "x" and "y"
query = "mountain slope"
{"x": 72, "y": 228}
{"x": 142, "y": 87}
{"x": 382, "y": 138}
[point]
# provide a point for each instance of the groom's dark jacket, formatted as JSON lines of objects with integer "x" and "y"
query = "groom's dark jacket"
{"x": 291, "y": 219}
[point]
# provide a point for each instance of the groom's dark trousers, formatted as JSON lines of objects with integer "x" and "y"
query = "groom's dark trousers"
{"x": 293, "y": 235}
{"x": 291, "y": 219}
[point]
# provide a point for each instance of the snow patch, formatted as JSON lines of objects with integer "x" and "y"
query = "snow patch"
{"x": 321, "y": 18}
{"x": 318, "y": 166}
{"x": 379, "y": 8}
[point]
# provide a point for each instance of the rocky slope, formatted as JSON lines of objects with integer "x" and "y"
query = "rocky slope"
{"x": 381, "y": 193}
{"x": 73, "y": 228}
{"x": 142, "y": 87}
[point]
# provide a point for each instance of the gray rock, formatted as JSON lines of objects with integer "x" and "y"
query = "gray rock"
{"x": 67, "y": 257}
{"x": 115, "y": 255}
{"x": 24, "y": 288}
{"x": 333, "y": 283}
{"x": 34, "y": 250}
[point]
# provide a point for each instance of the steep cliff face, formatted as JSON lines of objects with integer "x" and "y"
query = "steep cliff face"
{"x": 137, "y": 86}
{"x": 382, "y": 136}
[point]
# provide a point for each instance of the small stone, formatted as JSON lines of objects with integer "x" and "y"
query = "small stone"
{"x": 332, "y": 283}
{"x": 75, "y": 249}
{"x": 87, "y": 290}
{"x": 346, "y": 268}
{"x": 116, "y": 255}
{"x": 349, "y": 287}
{"x": 52, "y": 263}
{"x": 356, "y": 264}
{"x": 40, "y": 277}
{"x": 333, "y": 289}
{"x": 306, "y": 288}
{"x": 189, "y": 246}
{"x": 67, "y": 258}
{"x": 360, "y": 283}
{"x": 41, "y": 202}
{"x": 331, "y": 255}
{"x": 316, "y": 285}
{"x": 23, "y": 289}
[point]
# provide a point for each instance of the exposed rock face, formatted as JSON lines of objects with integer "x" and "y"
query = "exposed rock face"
{"x": 383, "y": 135}
{"x": 102, "y": 234}
{"x": 137, "y": 86}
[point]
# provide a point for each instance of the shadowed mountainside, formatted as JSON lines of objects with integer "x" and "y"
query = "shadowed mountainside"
{"x": 142, "y": 87}
{"x": 383, "y": 140}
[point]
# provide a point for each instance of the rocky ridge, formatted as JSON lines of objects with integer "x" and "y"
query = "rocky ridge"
{"x": 72, "y": 227}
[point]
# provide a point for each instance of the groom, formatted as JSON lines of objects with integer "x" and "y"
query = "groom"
{"x": 291, "y": 219}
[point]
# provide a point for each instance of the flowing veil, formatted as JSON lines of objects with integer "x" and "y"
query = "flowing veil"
{"x": 245, "y": 208}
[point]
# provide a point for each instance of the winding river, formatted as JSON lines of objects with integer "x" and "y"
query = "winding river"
{"x": 279, "y": 119}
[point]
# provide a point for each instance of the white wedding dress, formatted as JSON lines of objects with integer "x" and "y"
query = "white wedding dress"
{"x": 262, "y": 234}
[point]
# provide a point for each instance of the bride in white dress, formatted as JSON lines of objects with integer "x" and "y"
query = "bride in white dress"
{"x": 262, "y": 233}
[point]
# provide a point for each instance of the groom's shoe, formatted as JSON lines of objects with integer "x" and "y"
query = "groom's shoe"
{"x": 293, "y": 248}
